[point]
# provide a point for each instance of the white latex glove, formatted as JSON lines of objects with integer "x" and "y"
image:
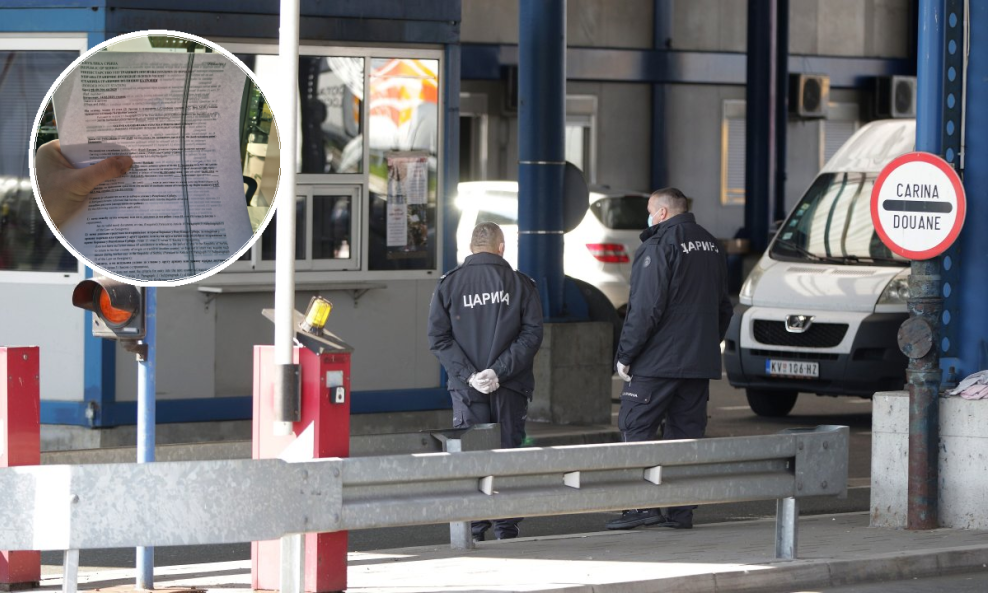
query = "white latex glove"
{"x": 485, "y": 381}
{"x": 624, "y": 371}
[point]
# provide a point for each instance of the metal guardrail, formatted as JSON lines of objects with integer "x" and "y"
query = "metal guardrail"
{"x": 214, "y": 502}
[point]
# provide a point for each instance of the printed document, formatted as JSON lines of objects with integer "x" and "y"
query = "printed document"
{"x": 181, "y": 209}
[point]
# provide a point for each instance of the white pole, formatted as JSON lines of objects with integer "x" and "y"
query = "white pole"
{"x": 287, "y": 118}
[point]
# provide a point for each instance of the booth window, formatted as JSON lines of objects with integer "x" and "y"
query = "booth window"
{"x": 404, "y": 149}
{"x": 732, "y": 153}
{"x": 269, "y": 239}
{"x": 26, "y": 243}
{"x": 325, "y": 230}
{"x": 580, "y": 142}
{"x": 368, "y": 151}
{"x": 331, "y": 94}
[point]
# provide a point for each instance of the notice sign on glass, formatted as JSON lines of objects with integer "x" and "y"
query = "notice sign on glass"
{"x": 408, "y": 176}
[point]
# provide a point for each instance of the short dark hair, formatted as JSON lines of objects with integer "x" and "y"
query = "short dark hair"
{"x": 487, "y": 236}
{"x": 673, "y": 199}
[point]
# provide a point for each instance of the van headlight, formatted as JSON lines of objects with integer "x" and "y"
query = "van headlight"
{"x": 748, "y": 288}
{"x": 897, "y": 290}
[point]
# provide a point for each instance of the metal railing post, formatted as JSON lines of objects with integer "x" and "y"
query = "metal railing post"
{"x": 460, "y": 534}
{"x": 786, "y": 520}
{"x": 70, "y": 571}
{"x": 293, "y": 563}
{"x": 485, "y": 436}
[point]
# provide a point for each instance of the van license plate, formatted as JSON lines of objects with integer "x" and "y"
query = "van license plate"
{"x": 792, "y": 368}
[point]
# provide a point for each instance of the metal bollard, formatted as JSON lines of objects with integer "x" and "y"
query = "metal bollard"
{"x": 482, "y": 437}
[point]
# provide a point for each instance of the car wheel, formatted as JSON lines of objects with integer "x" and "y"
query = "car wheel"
{"x": 773, "y": 404}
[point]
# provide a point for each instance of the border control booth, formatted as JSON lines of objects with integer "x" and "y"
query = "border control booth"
{"x": 379, "y": 90}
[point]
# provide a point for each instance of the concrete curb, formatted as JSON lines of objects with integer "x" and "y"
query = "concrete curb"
{"x": 804, "y": 574}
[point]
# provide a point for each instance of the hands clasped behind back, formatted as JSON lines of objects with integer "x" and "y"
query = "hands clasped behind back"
{"x": 63, "y": 188}
{"x": 485, "y": 381}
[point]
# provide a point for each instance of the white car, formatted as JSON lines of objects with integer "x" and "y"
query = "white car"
{"x": 598, "y": 251}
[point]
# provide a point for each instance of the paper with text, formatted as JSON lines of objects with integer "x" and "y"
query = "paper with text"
{"x": 181, "y": 209}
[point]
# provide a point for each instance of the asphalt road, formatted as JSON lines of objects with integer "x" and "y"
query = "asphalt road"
{"x": 729, "y": 416}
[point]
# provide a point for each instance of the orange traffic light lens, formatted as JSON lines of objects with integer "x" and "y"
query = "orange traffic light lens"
{"x": 110, "y": 313}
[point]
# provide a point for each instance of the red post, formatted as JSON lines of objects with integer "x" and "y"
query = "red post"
{"x": 20, "y": 444}
{"x": 326, "y": 425}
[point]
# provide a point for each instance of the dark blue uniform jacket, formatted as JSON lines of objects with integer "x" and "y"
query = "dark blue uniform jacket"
{"x": 484, "y": 315}
{"x": 678, "y": 310}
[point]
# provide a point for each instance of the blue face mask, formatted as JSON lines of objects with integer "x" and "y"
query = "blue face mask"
{"x": 649, "y": 220}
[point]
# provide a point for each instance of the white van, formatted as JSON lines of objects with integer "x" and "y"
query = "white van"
{"x": 820, "y": 311}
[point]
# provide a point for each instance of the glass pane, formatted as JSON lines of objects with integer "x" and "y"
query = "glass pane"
{"x": 404, "y": 141}
{"x": 331, "y": 94}
{"x": 331, "y": 237}
{"x": 623, "y": 213}
{"x": 833, "y": 222}
{"x": 26, "y": 243}
{"x": 268, "y": 238}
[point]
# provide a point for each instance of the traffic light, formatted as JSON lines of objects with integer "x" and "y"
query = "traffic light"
{"x": 118, "y": 308}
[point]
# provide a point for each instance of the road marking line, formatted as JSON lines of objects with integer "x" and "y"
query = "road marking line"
{"x": 733, "y": 408}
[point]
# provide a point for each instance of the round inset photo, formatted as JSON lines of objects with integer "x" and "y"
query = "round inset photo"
{"x": 156, "y": 159}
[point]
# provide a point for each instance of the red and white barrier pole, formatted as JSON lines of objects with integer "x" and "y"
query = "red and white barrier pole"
{"x": 20, "y": 444}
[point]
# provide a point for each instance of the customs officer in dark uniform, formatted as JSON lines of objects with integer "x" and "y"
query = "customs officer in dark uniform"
{"x": 669, "y": 349}
{"x": 485, "y": 326}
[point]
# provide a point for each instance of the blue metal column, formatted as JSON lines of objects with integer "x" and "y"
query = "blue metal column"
{"x": 450, "y": 168}
{"x": 541, "y": 154}
{"x": 781, "y": 108}
{"x": 952, "y": 143}
{"x": 146, "y": 421}
{"x": 760, "y": 96}
{"x": 661, "y": 35}
{"x": 972, "y": 316}
{"x": 923, "y": 374}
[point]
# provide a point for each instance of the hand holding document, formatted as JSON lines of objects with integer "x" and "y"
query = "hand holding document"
{"x": 180, "y": 210}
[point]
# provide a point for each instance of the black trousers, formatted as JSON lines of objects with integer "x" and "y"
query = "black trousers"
{"x": 509, "y": 409}
{"x": 645, "y": 401}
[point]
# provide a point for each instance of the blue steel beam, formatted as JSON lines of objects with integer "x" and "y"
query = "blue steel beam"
{"x": 407, "y": 10}
{"x": 485, "y": 62}
{"x": 263, "y": 26}
{"x": 541, "y": 155}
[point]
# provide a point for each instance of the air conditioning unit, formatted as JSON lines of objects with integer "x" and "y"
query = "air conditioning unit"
{"x": 895, "y": 96}
{"x": 809, "y": 95}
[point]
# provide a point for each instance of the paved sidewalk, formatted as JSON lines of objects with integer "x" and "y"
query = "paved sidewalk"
{"x": 834, "y": 550}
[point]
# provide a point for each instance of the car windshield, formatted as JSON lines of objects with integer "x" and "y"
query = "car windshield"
{"x": 623, "y": 213}
{"x": 832, "y": 223}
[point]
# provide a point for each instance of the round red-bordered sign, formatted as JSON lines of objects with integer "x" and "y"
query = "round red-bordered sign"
{"x": 918, "y": 205}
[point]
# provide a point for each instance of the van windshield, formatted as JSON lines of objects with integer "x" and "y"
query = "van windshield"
{"x": 832, "y": 223}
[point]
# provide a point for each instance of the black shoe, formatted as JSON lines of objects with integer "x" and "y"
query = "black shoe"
{"x": 478, "y": 537}
{"x": 667, "y": 522}
{"x": 634, "y": 518}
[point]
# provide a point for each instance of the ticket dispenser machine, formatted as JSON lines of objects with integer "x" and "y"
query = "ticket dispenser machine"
{"x": 323, "y": 431}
